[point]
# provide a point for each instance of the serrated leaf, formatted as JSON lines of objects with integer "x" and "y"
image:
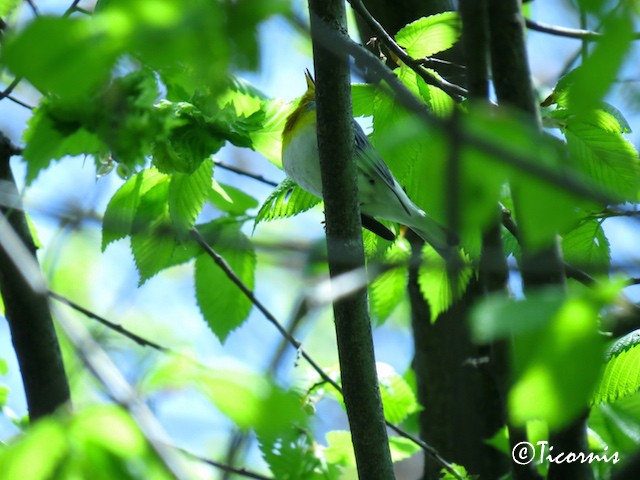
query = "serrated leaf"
{"x": 398, "y": 399}
{"x": 440, "y": 287}
{"x": 153, "y": 240}
{"x": 587, "y": 247}
{"x": 291, "y": 455}
{"x": 121, "y": 210}
{"x": 388, "y": 289}
{"x": 429, "y": 35}
{"x": 222, "y": 304}
{"x": 621, "y": 375}
{"x": 287, "y": 200}
{"x": 187, "y": 194}
{"x": 605, "y": 156}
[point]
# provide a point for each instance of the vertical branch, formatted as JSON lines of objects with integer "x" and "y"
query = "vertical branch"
{"x": 344, "y": 243}
{"x": 512, "y": 80}
{"x": 26, "y": 308}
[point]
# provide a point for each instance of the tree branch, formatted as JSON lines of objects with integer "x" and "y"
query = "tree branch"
{"x": 26, "y": 305}
{"x": 339, "y": 174}
{"x": 577, "y": 33}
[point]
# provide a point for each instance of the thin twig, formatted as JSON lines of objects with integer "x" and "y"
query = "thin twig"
{"x": 577, "y": 33}
{"x": 226, "y": 468}
{"x": 221, "y": 262}
{"x": 34, "y": 8}
{"x": 240, "y": 171}
{"x": 72, "y": 8}
{"x": 7, "y": 91}
{"x": 454, "y": 91}
{"x": 113, "y": 326}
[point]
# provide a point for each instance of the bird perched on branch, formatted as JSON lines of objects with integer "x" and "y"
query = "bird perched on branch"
{"x": 380, "y": 193}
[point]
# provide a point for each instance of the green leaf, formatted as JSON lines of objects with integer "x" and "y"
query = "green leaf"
{"x": 621, "y": 376}
{"x": 97, "y": 442}
{"x": 7, "y": 6}
{"x": 153, "y": 240}
{"x": 187, "y": 194}
{"x": 339, "y": 449}
{"x": 63, "y": 56}
{"x": 398, "y": 398}
{"x": 556, "y": 367}
{"x": 230, "y": 199}
{"x": 118, "y": 221}
{"x": 587, "y": 247}
{"x": 287, "y": 200}
{"x": 49, "y": 136}
{"x": 439, "y": 286}
{"x": 594, "y": 78}
{"x": 494, "y": 318}
{"x": 429, "y": 35}
{"x": 292, "y": 455}
{"x": 221, "y": 302}
{"x": 388, "y": 289}
{"x": 604, "y": 155}
{"x": 247, "y": 398}
{"x": 267, "y": 139}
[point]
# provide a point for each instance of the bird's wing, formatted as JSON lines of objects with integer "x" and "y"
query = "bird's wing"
{"x": 373, "y": 166}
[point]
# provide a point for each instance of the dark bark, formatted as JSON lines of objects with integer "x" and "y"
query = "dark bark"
{"x": 457, "y": 386}
{"x": 344, "y": 244}
{"x": 27, "y": 311}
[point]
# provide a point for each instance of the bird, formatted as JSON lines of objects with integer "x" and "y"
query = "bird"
{"x": 380, "y": 194}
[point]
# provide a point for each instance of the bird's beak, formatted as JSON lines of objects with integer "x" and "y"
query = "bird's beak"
{"x": 309, "y": 78}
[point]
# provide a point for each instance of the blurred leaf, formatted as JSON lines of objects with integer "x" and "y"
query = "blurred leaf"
{"x": 440, "y": 286}
{"x": 556, "y": 367}
{"x": 287, "y": 200}
{"x": 118, "y": 221}
{"x": 98, "y": 442}
{"x": 621, "y": 376}
{"x": 222, "y": 304}
{"x": 587, "y": 247}
{"x": 429, "y": 35}
{"x": 499, "y": 316}
{"x": 593, "y": 80}
{"x": 63, "y": 56}
{"x": 339, "y": 449}
{"x": 7, "y": 6}
{"x": 267, "y": 139}
{"x": 187, "y": 194}
{"x": 398, "y": 398}
{"x": 249, "y": 399}
{"x": 230, "y": 199}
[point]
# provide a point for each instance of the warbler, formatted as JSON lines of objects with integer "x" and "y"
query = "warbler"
{"x": 380, "y": 194}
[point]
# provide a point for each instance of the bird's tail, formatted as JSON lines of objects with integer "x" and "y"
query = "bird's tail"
{"x": 435, "y": 235}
